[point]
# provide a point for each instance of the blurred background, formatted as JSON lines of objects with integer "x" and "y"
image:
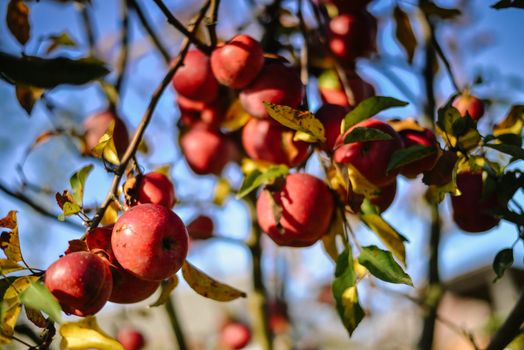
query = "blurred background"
{"x": 483, "y": 43}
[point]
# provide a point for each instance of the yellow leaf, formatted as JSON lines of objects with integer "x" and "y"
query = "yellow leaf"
{"x": 304, "y": 136}
{"x": 8, "y": 266}
{"x": 236, "y": 117}
{"x": 18, "y": 20}
{"x": 360, "y": 184}
{"x": 164, "y": 170}
{"x": 304, "y": 121}
{"x": 106, "y": 146}
{"x": 329, "y": 241}
{"x": 360, "y": 270}
{"x": 11, "y": 306}
{"x": 9, "y": 241}
{"x": 513, "y": 122}
{"x": 111, "y": 214}
{"x": 167, "y": 287}
{"x": 27, "y": 96}
{"x": 35, "y": 317}
{"x": 86, "y": 334}
{"x": 249, "y": 165}
{"x": 207, "y": 286}
{"x": 222, "y": 191}
{"x": 387, "y": 234}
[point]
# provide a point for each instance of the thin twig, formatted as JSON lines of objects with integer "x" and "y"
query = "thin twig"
{"x": 444, "y": 59}
{"x": 212, "y": 22}
{"x": 175, "y": 323}
{"x": 124, "y": 47}
{"x": 149, "y": 29}
{"x": 304, "y": 53}
{"x": 88, "y": 29}
{"x": 180, "y": 27}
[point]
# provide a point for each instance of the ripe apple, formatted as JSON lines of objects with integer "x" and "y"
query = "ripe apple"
{"x": 267, "y": 140}
{"x": 332, "y": 91}
{"x": 276, "y": 84}
{"x": 471, "y": 210}
{"x": 81, "y": 282}
{"x": 195, "y": 112}
{"x": 386, "y": 197}
{"x": 156, "y": 188}
{"x": 128, "y": 289}
{"x": 370, "y": 158}
{"x": 424, "y": 138}
{"x": 195, "y": 80}
{"x": 234, "y": 335}
{"x": 150, "y": 241}
{"x": 237, "y": 63}
{"x": 201, "y": 227}
{"x": 97, "y": 124}
{"x": 99, "y": 238}
{"x": 207, "y": 151}
{"x": 131, "y": 339}
{"x": 307, "y": 207}
{"x": 331, "y": 116}
{"x": 470, "y": 105}
{"x": 352, "y": 35}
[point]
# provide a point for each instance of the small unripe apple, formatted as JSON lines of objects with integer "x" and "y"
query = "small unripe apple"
{"x": 195, "y": 80}
{"x": 156, "y": 188}
{"x": 277, "y": 84}
{"x": 234, "y": 336}
{"x": 370, "y": 158}
{"x": 131, "y": 339}
{"x": 331, "y": 116}
{"x": 471, "y": 210}
{"x": 470, "y": 105}
{"x": 307, "y": 208}
{"x": 207, "y": 151}
{"x": 267, "y": 140}
{"x": 201, "y": 227}
{"x": 237, "y": 63}
{"x": 352, "y": 35}
{"x": 96, "y": 126}
{"x": 150, "y": 241}
{"x": 424, "y": 138}
{"x": 128, "y": 289}
{"x": 81, "y": 282}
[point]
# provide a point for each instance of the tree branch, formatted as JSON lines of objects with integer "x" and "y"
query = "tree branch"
{"x": 212, "y": 23}
{"x": 444, "y": 59}
{"x": 124, "y": 47}
{"x": 510, "y": 329}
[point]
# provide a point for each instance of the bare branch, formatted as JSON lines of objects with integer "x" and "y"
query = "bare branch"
{"x": 212, "y": 22}
{"x": 124, "y": 47}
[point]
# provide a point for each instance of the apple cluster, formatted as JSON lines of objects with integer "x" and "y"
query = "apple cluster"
{"x": 125, "y": 262}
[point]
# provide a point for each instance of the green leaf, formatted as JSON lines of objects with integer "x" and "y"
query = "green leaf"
{"x": 404, "y": 33}
{"x": 393, "y": 240}
{"x": 38, "y": 297}
{"x": 361, "y": 134}
{"x": 504, "y": 4}
{"x": 345, "y": 292}
{"x": 71, "y": 209}
{"x": 303, "y": 121}
{"x": 380, "y": 263}
{"x": 503, "y": 261}
{"x": 257, "y": 178}
{"x": 409, "y": 155}
{"x": 48, "y": 73}
{"x": 368, "y": 108}
{"x": 447, "y": 116}
{"x": 514, "y": 151}
{"x": 77, "y": 182}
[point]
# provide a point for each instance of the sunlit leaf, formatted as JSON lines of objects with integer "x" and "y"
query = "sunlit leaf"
{"x": 62, "y": 39}
{"x": 8, "y": 266}
{"x": 86, "y": 334}
{"x": 77, "y": 182}
{"x": 235, "y": 118}
{"x": 345, "y": 292}
{"x": 329, "y": 241}
{"x": 303, "y": 121}
{"x": 257, "y": 178}
{"x": 367, "y": 109}
{"x": 27, "y": 96}
{"x": 512, "y": 123}
{"x": 388, "y": 235}
{"x": 360, "y": 184}
{"x": 221, "y": 192}
{"x": 503, "y": 261}
{"x": 17, "y": 19}
{"x": 167, "y": 286}
{"x": 9, "y": 241}
{"x": 404, "y": 33}
{"x": 106, "y": 146}
{"x": 380, "y": 263}
{"x": 111, "y": 214}
{"x": 48, "y": 73}
{"x": 207, "y": 286}
{"x": 38, "y": 297}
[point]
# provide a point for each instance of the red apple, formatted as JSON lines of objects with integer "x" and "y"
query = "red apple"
{"x": 96, "y": 126}
{"x": 331, "y": 116}
{"x": 370, "y": 158}
{"x": 234, "y": 336}
{"x": 424, "y": 138}
{"x": 150, "y": 241}
{"x": 201, "y": 227}
{"x": 196, "y": 112}
{"x": 276, "y": 84}
{"x": 128, "y": 289}
{"x": 332, "y": 91}
{"x": 307, "y": 206}
{"x": 81, "y": 282}
{"x": 470, "y": 105}
{"x": 267, "y": 140}
{"x": 352, "y": 35}
{"x": 195, "y": 80}
{"x": 100, "y": 238}
{"x": 131, "y": 339}
{"x": 237, "y": 63}
{"x": 207, "y": 151}
{"x": 471, "y": 210}
{"x": 386, "y": 197}
{"x": 156, "y": 188}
